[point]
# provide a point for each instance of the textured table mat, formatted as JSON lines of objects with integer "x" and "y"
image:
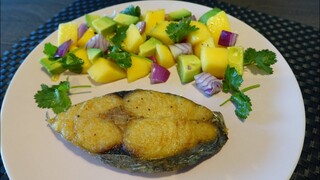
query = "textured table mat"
{"x": 299, "y": 44}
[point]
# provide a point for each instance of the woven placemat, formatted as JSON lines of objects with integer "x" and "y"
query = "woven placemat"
{"x": 299, "y": 44}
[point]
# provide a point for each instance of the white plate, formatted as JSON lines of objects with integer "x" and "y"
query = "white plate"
{"x": 266, "y": 146}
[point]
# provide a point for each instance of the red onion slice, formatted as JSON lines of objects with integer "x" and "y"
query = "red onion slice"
{"x": 153, "y": 59}
{"x": 141, "y": 25}
{"x": 63, "y": 49}
{"x": 180, "y": 48}
{"x": 159, "y": 74}
{"x": 82, "y": 29}
{"x": 207, "y": 83}
{"x": 99, "y": 42}
{"x": 227, "y": 38}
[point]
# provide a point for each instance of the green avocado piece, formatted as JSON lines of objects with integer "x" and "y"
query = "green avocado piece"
{"x": 104, "y": 25}
{"x": 188, "y": 66}
{"x": 204, "y": 18}
{"x": 148, "y": 48}
{"x": 89, "y": 18}
{"x": 94, "y": 54}
{"x": 179, "y": 14}
{"x": 125, "y": 19}
{"x": 53, "y": 67}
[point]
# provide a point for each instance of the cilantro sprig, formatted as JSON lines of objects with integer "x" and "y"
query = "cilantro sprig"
{"x": 55, "y": 97}
{"x": 231, "y": 84}
{"x": 69, "y": 62}
{"x": 132, "y": 10}
{"x": 177, "y": 31}
{"x": 120, "y": 35}
{"x": 50, "y": 50}
{"x": 263, "y": 59}
{"x": 120, "y": 57}
{"x": 72, "y": 63}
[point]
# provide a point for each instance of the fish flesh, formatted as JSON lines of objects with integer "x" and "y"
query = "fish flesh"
{"x": 143, "y": 130}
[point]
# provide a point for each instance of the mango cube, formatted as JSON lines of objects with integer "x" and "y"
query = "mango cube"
{"x": 199, "y": 35}
{"x": 152, "y": 18}
{"x": 82, "y": 54}
{"x": 159, "y": 32}
{"x": 163, "y": 56}
{"x": 140, "y": 68}
{"x": 67, "y": 31}
{"x": 105, "y": 71}
{"x": 214, "y": 61}
{"x": 86, "y": 37}
{"x": 133, "y": 39}
{"x": 207, "y": 43}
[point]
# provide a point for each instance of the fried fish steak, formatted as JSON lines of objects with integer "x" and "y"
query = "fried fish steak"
{"x": 143, "y": 130}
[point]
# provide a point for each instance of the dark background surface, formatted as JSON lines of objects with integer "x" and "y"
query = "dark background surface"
{"x": 20, "y": 17}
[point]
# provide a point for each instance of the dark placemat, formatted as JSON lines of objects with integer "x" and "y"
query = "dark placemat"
{"x": 299, "y": 44}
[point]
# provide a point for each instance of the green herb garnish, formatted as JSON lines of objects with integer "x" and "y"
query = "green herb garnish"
{"x": 121, "y": 57}
{"x": 50, "y": 50}
{"x": 55, "y": 97}
{"x": 242, "y": 90}
{"x": 131, "y": 10}
{"x": 262, "y": 59}
{"x": 120, "y": 35}
{"x": 231, "y": 83}
{"x": 177, "y": 31}
{"x": 72, "y": 63}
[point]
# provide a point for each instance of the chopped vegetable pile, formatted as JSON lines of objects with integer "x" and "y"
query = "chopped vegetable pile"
{"x": 133, "y": 45}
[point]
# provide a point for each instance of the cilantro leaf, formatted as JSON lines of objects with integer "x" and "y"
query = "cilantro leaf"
{"x": 72, "y": 63}
{"x": 179, "y": 30}
{"x": 242, "y": 103}
{"x": 119, "y": 36}
{"x": 121, "y": 57}
{"x": 131, "y": 10}
{"x": 262, "y": 59}
{"x": 55, "y": 97}
{"x": 50, "y": 50}
{"x": 232, "y": 80}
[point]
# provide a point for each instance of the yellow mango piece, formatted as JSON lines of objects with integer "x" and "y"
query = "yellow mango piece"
{"x": 159, "y": 32}
{"x": 152, "y": 18}
{"x": 163, "y": 56}
{"x": 214, "y": 61}
{"x": 216, "y": 24}
{"x": 140, "y": 68}
{"x": 207, "y": 43}
{"x": 82, "y": 54}
{"x": 105, "y": 71}
{"x": 199, "y": 35}
{"x": 133, "y": 39}
{"x": 86, "y": 37}
{"x": 73, "y": 47}
{"x": 67, "y": 31}
{"x": 235, "y": 58}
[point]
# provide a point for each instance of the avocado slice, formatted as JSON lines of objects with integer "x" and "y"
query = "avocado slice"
{"x": 94, "y": 54}
{"x": 188, "y": 66}
{"x": 125, "y": 19}
{"x": 148, "y": 48}
{"x": 89, "y": 18}
{"x": 104, "y": 25}
{"x": 53, "y": 67}
{"x": 204, "y": 18}
{"x": 179, "y": 14}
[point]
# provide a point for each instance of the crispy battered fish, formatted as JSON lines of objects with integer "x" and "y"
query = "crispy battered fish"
{"x": 143, "y": 130}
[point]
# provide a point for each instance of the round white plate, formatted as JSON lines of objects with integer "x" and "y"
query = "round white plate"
{"x": 266, "y": 146}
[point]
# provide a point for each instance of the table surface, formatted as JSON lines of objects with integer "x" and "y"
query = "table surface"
{"x": 25, "y": 23}
{"x": 29, "y": 15}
